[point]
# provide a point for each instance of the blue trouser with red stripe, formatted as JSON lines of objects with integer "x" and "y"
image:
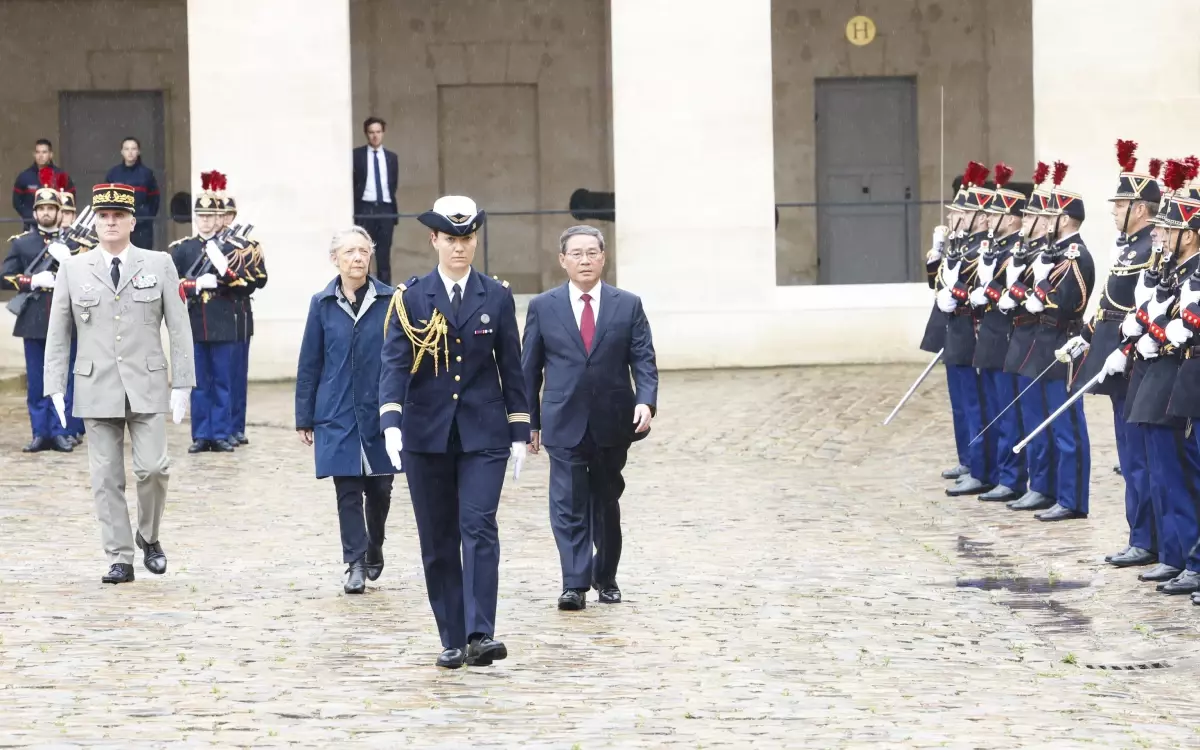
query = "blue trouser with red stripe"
{"x": 1040, "y": 454}
{"x": 1131, "y": 454}
{"x": 967, "y": 401}
{"x": 1072, "y": 449}
{"x": 1173, "y": 461}
{"x": 1008, "y": 468}
{"x": 212, "y": 416}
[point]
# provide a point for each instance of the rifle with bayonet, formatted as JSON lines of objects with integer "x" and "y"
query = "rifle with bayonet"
{"x": 77, "y": 231}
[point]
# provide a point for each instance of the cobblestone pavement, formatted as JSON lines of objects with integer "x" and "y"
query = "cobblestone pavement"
{"x": 793, "y": 577}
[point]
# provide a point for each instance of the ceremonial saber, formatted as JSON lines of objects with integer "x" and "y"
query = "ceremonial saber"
{"x": 1010, "y": 403}
{"x": 913, "y": 388}
{"x": 1074, "y": 397}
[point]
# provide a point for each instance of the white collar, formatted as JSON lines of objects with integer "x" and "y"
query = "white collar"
{"x": 449, "y": 282}
{"x": 121, "y": 256}
{"x": 576, "y": 292}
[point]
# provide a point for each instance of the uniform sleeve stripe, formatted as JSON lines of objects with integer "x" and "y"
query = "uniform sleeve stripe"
{"x": 518, "y": 417}
{"x": 389, "y": 407}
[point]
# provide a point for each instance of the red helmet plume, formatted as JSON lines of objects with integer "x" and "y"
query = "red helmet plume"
{"x": 1125, "y": 157}
{"x": 1192, "y": 167}
{"x": 206, "y": 180}
{"x": 46, "y": 177}
{"x": 1040, "y": 173}
{"x": 1003, "y": 174}
{"x": 1175, "y": 174}
{"x": 1155, "y": 167}
{"x": 975, "y": 174}
{"x": 1060, "y": 171}
{"x": 62, "y": 181}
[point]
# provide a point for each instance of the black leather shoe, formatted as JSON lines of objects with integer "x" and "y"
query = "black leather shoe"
{"x": 1109, "y": 558}
{"x": 483, "y": 651}
{"x": 572, "y": 600}
{"x": 239, "y": 438}
{"x": 610, "y": 594}
{"x": 118, "y": 573}
{"x": 1059, "y": 513}
{"x": 221, "y": 446}
{"x": 451, "y": 658}
{"x": 956, "y": 472}
{"x": 1133, "y": 557}
{"x": 1196, "y": 599}
{"x": 1160, "y": 572}
{"x": 1187, "y": 582}
{"x": 354, "y": 581}
{"x": 967, "y": 485}
{"x": 1033, "y": 501}
{"x": 62, "y": 444}
{"x": 37, "y": 445}
{"x": 999, "y": 494}
{"x": 1117, "y": 469}
{"x": 200, "y": 446}
{"x": 152, "y": 557}
{"x": 374, "y": 561}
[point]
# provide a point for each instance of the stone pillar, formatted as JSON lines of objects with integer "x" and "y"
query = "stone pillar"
{"x": 694, "y": 167}
{"x": 270, "y": 107}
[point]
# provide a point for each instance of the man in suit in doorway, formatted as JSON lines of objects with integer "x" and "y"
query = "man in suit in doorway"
{"x": 375, "y": 171}
{"x": 590, "y": 343}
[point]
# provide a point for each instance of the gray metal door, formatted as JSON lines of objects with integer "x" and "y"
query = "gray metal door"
{"x": 866, "y": 168}
{"x": 92, "y": 126}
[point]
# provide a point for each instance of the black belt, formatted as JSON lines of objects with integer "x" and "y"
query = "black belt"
{"x": 1112, "y": 315}
{"x": 1024, "y": 320}
{"x": 1070, "y": 326}
{"x": 961, "y": 311}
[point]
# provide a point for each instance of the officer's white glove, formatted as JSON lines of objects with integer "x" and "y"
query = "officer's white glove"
{"x": 986, "y": 271}
{"x": 1115, "y": 364}
{"x": 1177, "y": 332}
{"x": 939, "y": 237}
{"x": 1042, "y": 269}
{"x": 945, "y": 301}
{"x": 1007, "y": 302}
{"x": 42, "y": 280}
{"x": 59, "y": 251}
{"x": 1130, "y": 327}
{"x": 1147, "y": 347}
{"x": 216, "y": 257}
{"x": 979, "y": 296}
{"x": 179, "y": 403}
{"x": 393, "y": 443}
{"x": 60, "y": 407}
{"x": 206, "y": 281}
{"x": 1033, "y": 304}
{"x": 933, "y": 256}
{"x": 1156, "y": 308}
{"x": 1142, "y": 293}
{"x": 1189, "y": 294}
{"x": 949, "y": 273}
{"x": 1072, "y": 349}
{"x": 1012, "y": 273}
{"x": 518, "y": 459}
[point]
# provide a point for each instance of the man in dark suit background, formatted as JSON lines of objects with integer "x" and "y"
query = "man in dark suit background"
{"x": 375, "y": 171}
{"x": 588, "y": 340}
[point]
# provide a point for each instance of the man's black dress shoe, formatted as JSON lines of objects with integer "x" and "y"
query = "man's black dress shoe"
{"x": 118, "y": 573}
{"x": 610, "y": 594}
{"x": 374, "y": 561}
{"x": 1117, "y": 469}
{"x": 482, "y": 651}
{"x": 37, "y": 445}
{"x": 221, "y": 446}
{"x": 1033, "y": 501}
{"x": 200, "y": 446}
{"x": 1196, "y": 599}
{"x": 451, "y": 658}
{"x": 1160, "y": 572}
{"x": 967, "y": 485}
{"x": 239, "y": 438}
{"x": 152, "y": 557}
{"x": 1133, "y": 557}
{"x": 999, "y": 494}
{"x": 354, "y": 581}
{"x": 62, "y": 444}
{"x": 1059, "y": 513}
{"x": 956, "y": 472}
{"x": 1109, "y": 558}
{"x": 572, "y": 600}
{"x": 1187, "y": 582}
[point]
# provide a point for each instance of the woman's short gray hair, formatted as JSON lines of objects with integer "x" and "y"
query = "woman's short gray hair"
{"x": 342, "y": 236}
{"x": 579, "y": 229}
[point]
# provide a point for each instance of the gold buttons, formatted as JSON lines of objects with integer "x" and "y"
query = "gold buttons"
{"x": 116, "y": 317}
{"x": 457, "y": 378}
{"x": 458, "y": 358}
{"x": 117, "y": 297}
{"x": 118, "y": 338}
{"x": 455, "y": 397}
{"x": 118, "y": 359}
{"x": 458, "y": 341}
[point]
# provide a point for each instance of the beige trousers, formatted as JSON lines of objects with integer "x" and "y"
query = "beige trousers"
{"x": 151, "y": 469}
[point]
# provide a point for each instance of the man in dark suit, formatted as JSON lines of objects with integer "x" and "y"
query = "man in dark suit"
{"x": 375, "y": 171}
{"x": 587, "y": 340}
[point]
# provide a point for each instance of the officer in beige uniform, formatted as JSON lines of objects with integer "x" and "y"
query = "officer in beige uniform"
{"x": 117, "y": 297}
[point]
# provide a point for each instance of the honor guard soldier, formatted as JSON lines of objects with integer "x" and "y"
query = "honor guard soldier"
{"x": 1009, "y": 473}
{"x": 254, "y": 273}
{"x": 1063, "y": 277}
{"x": 211, "y": 286}
{"x": 1018, "y": 279}
{"x": 959, "y": 278}
{"x": 452, "y": 404}
{"x": 1135, "y": 204}
{"x": 30, "y": 269}
{"x": 1172, "y": 456}
{"x": 78, "y": 240}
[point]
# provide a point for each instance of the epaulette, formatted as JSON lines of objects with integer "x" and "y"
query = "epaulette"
{"x": 20, "y": 234}
{"x": 179, "y": 242}
{"x": 401, "y": 288}
{"x": 1072, "y": 251}
{"x": 502, "y": 283}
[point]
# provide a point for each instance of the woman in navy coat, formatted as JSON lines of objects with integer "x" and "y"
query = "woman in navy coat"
{"x": 337, "y": 401}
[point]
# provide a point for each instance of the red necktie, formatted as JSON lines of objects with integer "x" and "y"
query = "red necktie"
{"x": 587, "y": 323}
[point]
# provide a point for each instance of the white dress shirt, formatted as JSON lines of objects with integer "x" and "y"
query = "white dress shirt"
{"x": 122, "y": 256}
{"x": 577, "y": 301}
{"x": 449, "y": 282}
{"x": 369, "y": 191}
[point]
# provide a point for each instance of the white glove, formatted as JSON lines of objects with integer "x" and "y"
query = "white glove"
{"x": 945, "y": 301}
{"x": 1114, "y": 364}
{"x": 1130, "y": 327}
{"x": 939, "y": 237}
{"x": 1042, "y": 269}
{"x": 1072, "y": 349}
{"x": 949, "y": 273}
{"x": 179, "y": 403}
{"x": 1033, "y": 304}
{"x": 1147, "y": 347}
{"x": 986, "y": 271}
{"x": 518, "y": 459}
{"x": 42, "y": 280}
{"x": 1188, "y": 295}
{"x": 1007, "y": 302}
{"x": 979, "y": 296}
{"x": 206, "y": 281}
{"x": 59, "y": 251}
{"x": 1177, "y": 332}
{"x": 1155, "y": 309}
{"x": 1012, "y": 274}
{"x": 60, "y": 407}
{"x": 933, "y": 256}
{"x": 216, "y": 257}
{"x": 393, "y": 443}
{"x": 1142, "y": 293}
